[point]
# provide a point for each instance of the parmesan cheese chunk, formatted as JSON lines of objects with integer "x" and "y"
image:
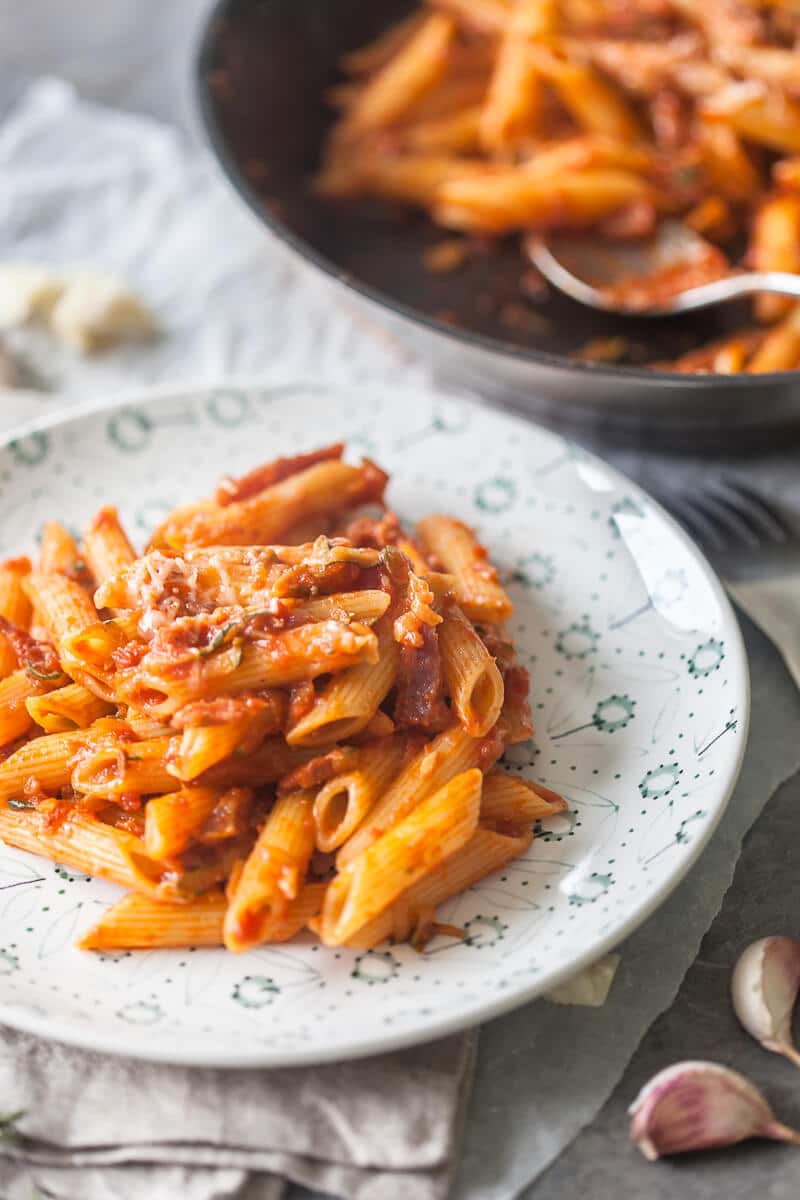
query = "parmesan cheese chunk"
{"x": 83, "y": 309}
{"x": 26, "y": 291}
{"x": 96, "y": 311}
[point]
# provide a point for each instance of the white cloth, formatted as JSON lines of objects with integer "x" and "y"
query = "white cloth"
{"x": 83, "y": 184}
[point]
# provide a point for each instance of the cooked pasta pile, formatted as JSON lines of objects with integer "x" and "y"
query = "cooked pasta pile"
{"x": 504, "y": 116}
{"x": 286, "y": 713}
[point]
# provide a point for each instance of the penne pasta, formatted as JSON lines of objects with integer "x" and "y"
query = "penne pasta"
{"x": 8, "y": 657}
{"x": 274, "y": 872}
{"x": 775, "y": 246}
{"x": 516, "y": 93}
{"x": 251, "y": 707}
{"x": 106, "y": 546}
{"x": 137, "y": 922}
{"x": 511, "y": 800}
{"x": 85, "y": 844}
{"x": 342, "y": 804}
{"x": 15, "y": 691}
{"x": 58, "y": 552}
{"x": 438, "y": 827}
{"x": 352, "y": 697}
{"x": 67, "y": 708}
{"x": 484, "y": 853}
{"x": 107, "y": 770}
{"x": 171, "y": 820}
{"x": 62, "y": 605}
{"x": 451, "y": 753}
{"x": 418, "y": 64}
{"x": 473, "y": 681}
{"x": 475, "y": 581}
{"x": 498, "y": 117}
{"x": 14, "y": 603}
{"x": 262, "y": 518}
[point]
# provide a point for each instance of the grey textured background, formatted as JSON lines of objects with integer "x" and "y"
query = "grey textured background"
{"x": 138, "y": 56}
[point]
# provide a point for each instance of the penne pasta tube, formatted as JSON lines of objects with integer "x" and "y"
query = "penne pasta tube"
{"x": 516, "y": 198}
{"x": 171, "y": 820}
{"x": 365, "y": 607}
{"x": 215, "y": 729}
{"x": 511, "y": 800}
{"x": 726, "y": 163}
{"x": 59, "y": 552}
{"x": 67, "y": 708}
{"x": 274, "y": 871}
{"x": 8, "y": 657}
{"x": 472, "y": 679}
{"x": 595, "y": 104}
{"x": 108, "y": 769}
{"x": 62, "y": 605}
{"x": 46, "y": 760}
{"x": 757, "y": 115}
{"x": 352, "y": 698}
{"x": 475, "y": 581}
{"x": 438, "y": 827}
{"x": 203, "y": 746}
{"x": 775, "y": 246}
{"x": 367, "y": 59}
{"x": 488, "y": 16}
{"x": 780, "y": 350}
{"x": 344, "y": 801}
{"x": 276, "y": 660}
{"x": 106, "y": 546}
{"x": 263, "y": 518}
{"x": 138, "y": 922}
{"x": 15, "y": 691}
{"x": 14, "y": 603}
{"x": 448, "y": 755}
{"x": 415, "y": 178}
{"x": 146, "y": 727}
{"x": 484, "y": 853}
{"x": 83, "y": 843}
{"x": 268, "y": 764}
{"x": 419, "y": 63}
{"x": 515, "y": 96}
{"x": 456, "y": 132}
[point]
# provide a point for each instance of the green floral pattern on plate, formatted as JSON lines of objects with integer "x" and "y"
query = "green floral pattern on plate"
{"x": 639, "y": 694}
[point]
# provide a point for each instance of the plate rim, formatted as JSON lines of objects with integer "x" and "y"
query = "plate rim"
{"x": 130, "y": 1046}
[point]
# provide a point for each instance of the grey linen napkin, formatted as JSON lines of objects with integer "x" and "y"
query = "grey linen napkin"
{"x": 97, "y": 1127}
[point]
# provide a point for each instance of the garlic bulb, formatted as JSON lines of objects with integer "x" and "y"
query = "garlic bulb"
{"x": 764, "y": 988}
{"x": 699, "y": 1106}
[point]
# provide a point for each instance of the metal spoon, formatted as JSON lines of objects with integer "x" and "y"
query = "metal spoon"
{"x": 590, "y": 271}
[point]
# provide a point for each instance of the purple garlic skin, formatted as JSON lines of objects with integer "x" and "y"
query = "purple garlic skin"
{"x": 700, "y": 1106}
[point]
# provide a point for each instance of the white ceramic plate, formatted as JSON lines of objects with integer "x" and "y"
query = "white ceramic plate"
{"x": 640, "y": 696}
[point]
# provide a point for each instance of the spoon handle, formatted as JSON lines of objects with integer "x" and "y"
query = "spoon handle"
{"x": 733, "y": 286}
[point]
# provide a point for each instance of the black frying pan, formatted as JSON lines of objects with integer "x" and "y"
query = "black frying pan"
{"x": 262, "y": 70}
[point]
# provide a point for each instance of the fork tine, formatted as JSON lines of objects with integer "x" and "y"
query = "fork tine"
{"x": 699, "y": 524}
{"x": 732, "y": 519}
{"x": 763, "y": 515}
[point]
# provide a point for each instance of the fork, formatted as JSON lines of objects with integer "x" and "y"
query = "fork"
{"x": 756, "y": 550}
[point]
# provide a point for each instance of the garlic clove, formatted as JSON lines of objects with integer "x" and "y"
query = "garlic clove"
{"x": 700, "y": 1106}
{"x": 764, "y": 989}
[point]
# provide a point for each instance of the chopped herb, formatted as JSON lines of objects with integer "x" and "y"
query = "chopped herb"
{"x": 20, "y": 805}
{"x": 221, "y": 636}
{"x": 79, "y": 565}
{"x": 49, "y": 676}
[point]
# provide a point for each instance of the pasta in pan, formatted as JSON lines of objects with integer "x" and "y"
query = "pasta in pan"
{"x": 255, "y": 735}
{"x": 499, "y": 117}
